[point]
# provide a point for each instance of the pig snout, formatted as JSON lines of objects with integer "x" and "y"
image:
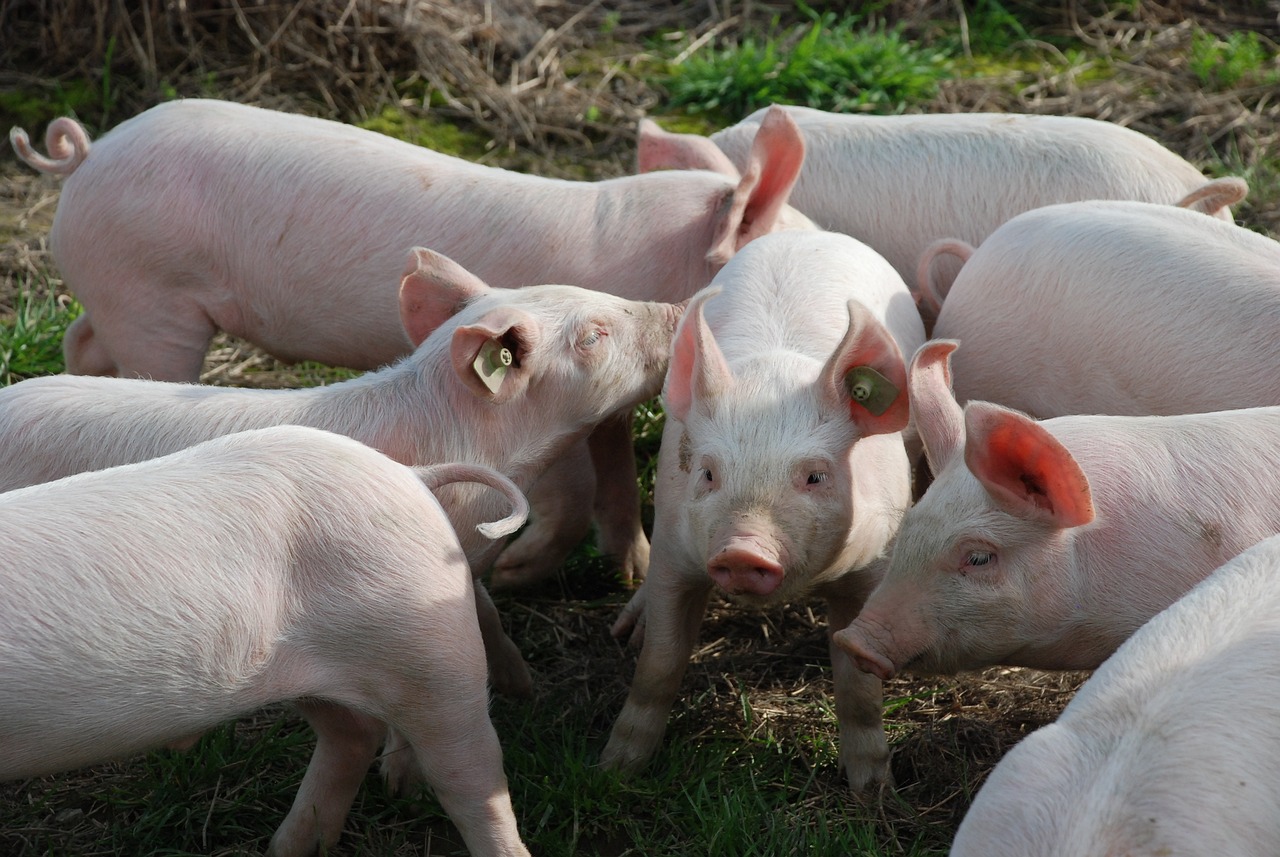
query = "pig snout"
{"x": 864, "y": 642}
{"x": 745, "y": 566}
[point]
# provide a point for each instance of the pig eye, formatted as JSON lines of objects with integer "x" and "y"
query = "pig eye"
{"x": 817, "y": 477}
{"x": 591, "y": 338}
{"x": 977, "y": 559}
{"x": 706, "y": 474}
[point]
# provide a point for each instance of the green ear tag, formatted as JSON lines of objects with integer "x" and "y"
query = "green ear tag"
{"x": 491, "y": 364}
{"x": 870, "y": 389}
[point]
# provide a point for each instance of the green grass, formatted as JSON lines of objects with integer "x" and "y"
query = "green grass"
{"x": 31, "y": 339}
{"x": 832, "y": 63}
{"x": 1240, "y": 59}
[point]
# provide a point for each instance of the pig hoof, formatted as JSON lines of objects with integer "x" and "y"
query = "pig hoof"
{"x": 400, "y": 771}
{"x": 868, "y": 772}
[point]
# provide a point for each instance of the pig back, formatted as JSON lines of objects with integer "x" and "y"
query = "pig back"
{"x": 1117, "y": 308}
{"x": 901, "y": 182}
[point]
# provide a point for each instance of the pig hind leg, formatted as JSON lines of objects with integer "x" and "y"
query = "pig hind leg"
{"x": 619, "y": 532}
{"x": 346, "y": 746}
{"x": 143, "y": 331}
{"x": 442, "y": 712}
{"x": 560, "y": 504}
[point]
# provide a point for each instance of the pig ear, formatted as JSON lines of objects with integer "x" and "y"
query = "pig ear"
{"x": 433, "y": 288}
{"x": 865, "y": 376}
{"x": 493, "y": 355}
{"x": 777, "y": 153}
{"x": 1212, "y": 197}
{"x": 1024, "y": 468}
{"x": 939, "y": 418}
{"x": 697, "y": 370}
{"x": 657, "y": 149}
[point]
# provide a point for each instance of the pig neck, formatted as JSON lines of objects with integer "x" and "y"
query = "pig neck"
{"x": 635, "y": 237}
{"x": 419, "y": 416}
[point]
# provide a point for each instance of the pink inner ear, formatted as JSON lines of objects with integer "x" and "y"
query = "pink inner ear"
{"x": 1025, "y": 468}
{"x": 777, "y": 153}
{"x": 867, "y": 342}
{"x": 657, "y": 149}
{"x": 432, "y": 289}
{"x": 503, "y": 324}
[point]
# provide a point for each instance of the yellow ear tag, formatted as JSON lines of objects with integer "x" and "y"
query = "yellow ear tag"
{"x": 491, "y": 364}
{"x": 870, "y": 389}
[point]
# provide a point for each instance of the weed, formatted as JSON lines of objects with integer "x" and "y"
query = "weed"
{"x": 832, "y": 64}
{"x": 31, "y": 342}
{"x": 1222, "y": 65}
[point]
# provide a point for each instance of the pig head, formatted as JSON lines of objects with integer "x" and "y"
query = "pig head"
{"x": 768, "y": 476}
{"x": 1047, "y": 544}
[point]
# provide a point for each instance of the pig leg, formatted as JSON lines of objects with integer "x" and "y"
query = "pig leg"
{"x": 458, "y": 751}
{"x": 508, "y": 675}
{"x": 440, "y": 705}
{"x": 145, "y": 330}
{"x": 859, "y": 697}
{"x": 560, "y": 518}
{"x": 673, "y": 614}
{"x": 346, "y": 745}
{"x": 82, "y": 353}
{"x": 620, "y": 534}
{"x": 508, "y": 672}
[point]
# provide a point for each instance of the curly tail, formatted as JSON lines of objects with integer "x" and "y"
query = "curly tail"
{"x": 1215, "y": 197}
{"x": 66, "y": 140}
{"x": 929, "y": 291}
{"x": 435, "y": 475}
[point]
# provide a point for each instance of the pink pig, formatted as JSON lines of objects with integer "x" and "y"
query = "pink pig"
{"x": 284, "y": 564}
{"x": 573, "y": 356}
{"x": 285, "y": 230}
{"x": 900, "y": 182}
{"x": 1170, "y": 748}
{"x": 1119, "y": 308}
{"x": 782, "y": 472}
{"x": 1047, "y": 544}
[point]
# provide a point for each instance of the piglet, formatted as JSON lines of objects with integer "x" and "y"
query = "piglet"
{"x": 283, "y": 564}
{"x": 1115, "y": 308}
{"x": 1169, "y": 748}
{"x": 505, "y": 378}
{"x": 285, "y": 230}
{"x": 1047, "y": 544}
{"x": 901, "y": 182}
{"x": 782, "y": 472}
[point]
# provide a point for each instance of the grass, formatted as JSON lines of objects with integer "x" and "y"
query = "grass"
{"x": 832, "y": 63}
{"x": 1239, "y": 59}
{"x": 31, "y": 339}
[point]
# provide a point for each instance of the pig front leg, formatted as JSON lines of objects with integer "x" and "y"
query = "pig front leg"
{"x": 864, "y": 750}
{"x": 674, "y": 609}
{"x": 619, "y": 531}
{"x": 346, "y": 745}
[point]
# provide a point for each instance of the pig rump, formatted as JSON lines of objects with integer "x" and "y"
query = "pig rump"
{"x": 285, "y": 564}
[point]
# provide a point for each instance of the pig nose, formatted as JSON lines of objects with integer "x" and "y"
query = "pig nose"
{"x": 740, "y": 571}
